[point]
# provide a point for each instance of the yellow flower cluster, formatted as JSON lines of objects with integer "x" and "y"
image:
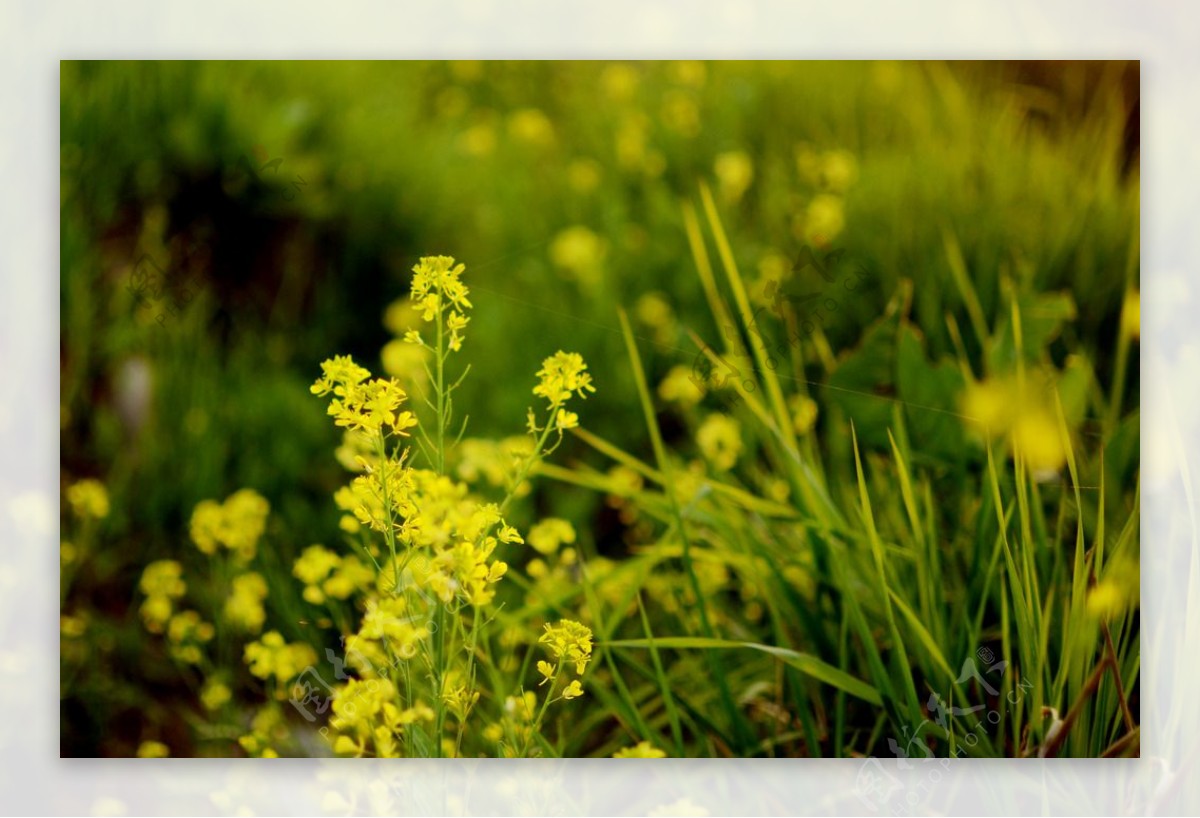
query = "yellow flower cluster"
{"x": 244, "y": 607}
{"x": 271, "y": 656}
{"x": 153, "y": 749}
{"x": 720, "y": 441}
{"x": 358, "y": 404}
{"x": 437, "y": 288}
{"x": 569, "y": 642}
{"x": 88, "y": 499}
{"x": 643, "y": 749}
{"x": 186, "y": 633}
{"x": 562, "y": 375}
{"x": 369, "y": 721}
{"x": 326, "y": 574}
{"x": 549, "y": 534}
{"x": 162, "y": 583}
{"x": 1002, "y": 407}
{"x": 237, "y": 524}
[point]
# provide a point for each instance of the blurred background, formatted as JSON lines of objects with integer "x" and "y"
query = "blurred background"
{"x": 227, "y": 226}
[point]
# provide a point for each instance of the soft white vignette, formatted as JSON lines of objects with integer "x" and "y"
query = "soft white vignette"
{"x": 33, "y": 780}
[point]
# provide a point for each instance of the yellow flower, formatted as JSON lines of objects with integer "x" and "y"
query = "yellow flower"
{"x": 358, "y": 404}
{"x": 562, "y": 374}
{"x": 734, "y": 172}
{"x": 584, "y": 175}
{"x": 804, "y": 413}
{"x": 405, "y": 359}
{"x": 689, "y": 72}
{"x": 580, "y": 252}
{"x": 236, "y": 524}
{"x": 163, "y": 578}
{"x": 272, "y": 656}
{"x": 838, "y": 170}
{"x": 546, "y": 536}
{"x": 437, "y": 285}
{"x": 572, "y": 691}
{"x": 619, "y": 81}
{"x": 153, "y": 749}
{"x": 990, "y": 405}
{"x": 1038, "y": 439}
{"x": 823, "y": 219}
{"x": 720, "y": 441}
{"x": 244, "y": 608}
{"x": 569, "y": 641}
{"x": 187, "y": 632}
{"x": 531, "y": 126}
{"x": 547, "y": 671}
{"x": 643, "y": 749}
{"x": 215, "y": 694}
{"x": 681, "y": 386}
{"x": 89, "y": 498}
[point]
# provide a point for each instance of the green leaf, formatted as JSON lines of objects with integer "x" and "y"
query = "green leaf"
{"x": 802, "y": 662}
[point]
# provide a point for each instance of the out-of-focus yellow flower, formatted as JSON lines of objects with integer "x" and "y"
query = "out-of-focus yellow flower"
{"x": 580, "y": 252}
{"x": 824, "y": 219}
{"x": 271, "y": 656}
{"x": 804, "y": 413}
{"x": 583, "y": 175}
{"x": 466, "y": 70}
{"x": 689, "y": 72}
{"x": 236, "y": 524}
{"x": 808, "y": 163}
{"x": 153, "y": 749}
{"x": 187, "y": 632}
{"x": 89, "y": 499}
{"x": 681, "y": 387}
{"x": 989, "y": 405}
{"x": 839, "y": 170}
{"x": 405, "y": 361}
{"x": 720, "y": 441}
{"x": 643, "y": 749}
{"x": 72, "y": 627}
{"x": 999, "y": 408}
{"x": 163, "y": 578}
{"x": 680, "y": 114}
{"x": 619, "y": 81}
{"x": 531, "y": 127}
{"x": 1037, "y": 438}
{"x": 244, "y": 607}
{"x": 1131, "y": 314}
{"x": 215, "y": 694}
{"x": 653, "y": 310}
{"x": 546, "y": 536}
{"x": 734, "y": 172}
{"x": 67, "y": 553}
{"x": 479, "y": 139}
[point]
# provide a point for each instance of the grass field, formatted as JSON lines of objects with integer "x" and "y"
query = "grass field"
{"x": 595, "y": 409}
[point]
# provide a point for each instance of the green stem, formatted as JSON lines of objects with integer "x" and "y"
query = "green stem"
{"x": 537, "y": 723}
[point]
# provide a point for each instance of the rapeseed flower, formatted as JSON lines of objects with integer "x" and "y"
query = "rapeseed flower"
{"x": 720, "y": 441}
{"x": 643, "y": 749}
{"x": 89, "y": 499}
